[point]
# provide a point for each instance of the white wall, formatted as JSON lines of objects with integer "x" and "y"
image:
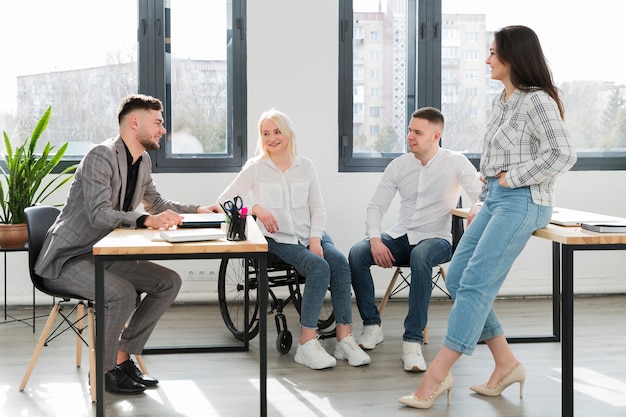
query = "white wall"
{"x": 292, "y": 65}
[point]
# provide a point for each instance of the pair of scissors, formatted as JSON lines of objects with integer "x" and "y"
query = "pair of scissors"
{"x": 234, "y": 205}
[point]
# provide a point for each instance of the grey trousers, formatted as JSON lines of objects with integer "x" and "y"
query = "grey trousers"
{"x": 123, "y": 280}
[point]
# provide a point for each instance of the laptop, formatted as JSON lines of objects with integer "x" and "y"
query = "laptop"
{"x": 567, "y": 217}
{"x": 203, "y": 220}
{"x": 192, "y": 235}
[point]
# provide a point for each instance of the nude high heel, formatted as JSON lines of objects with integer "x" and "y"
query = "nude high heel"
{"x": 517, "y": 374}
{"x": 412, "y": 401}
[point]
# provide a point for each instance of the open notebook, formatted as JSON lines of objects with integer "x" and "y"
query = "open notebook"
{"x": 192, "y": 235}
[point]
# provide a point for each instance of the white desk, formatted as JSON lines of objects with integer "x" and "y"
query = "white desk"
{"x": 138, "y": 244}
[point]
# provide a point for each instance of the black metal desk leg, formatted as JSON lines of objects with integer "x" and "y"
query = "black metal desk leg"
{"x": 567, "y": 332}
{"x": 99, "y": 336}
{"x": 263, "y": 290}
{"x": 556, "y": 290}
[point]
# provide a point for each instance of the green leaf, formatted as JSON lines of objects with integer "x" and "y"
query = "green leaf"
{"x": 21, "y": 183}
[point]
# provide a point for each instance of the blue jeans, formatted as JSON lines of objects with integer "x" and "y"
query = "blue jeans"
{"x": 333, "y": 270}
{"x": 422, "y": 257}
{"x": 483, "y": 259}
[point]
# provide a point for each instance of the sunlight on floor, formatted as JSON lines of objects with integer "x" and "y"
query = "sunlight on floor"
{"x": 179, "y": 394}
{"x": 599, "y": 386}
{"x": 315, "y": 405}
{"x": 61, "y": 396}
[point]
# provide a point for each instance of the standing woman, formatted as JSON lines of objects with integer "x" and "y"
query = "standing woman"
{"x": 525, "y": 148}
{"x": 284, "y": 194}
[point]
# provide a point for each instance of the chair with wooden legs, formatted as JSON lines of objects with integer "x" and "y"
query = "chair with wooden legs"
{"x": 38, "y": 221}
{"x": 395, "y": 287}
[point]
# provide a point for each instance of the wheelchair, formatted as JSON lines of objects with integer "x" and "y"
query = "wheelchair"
{"x": 231, "y": 296}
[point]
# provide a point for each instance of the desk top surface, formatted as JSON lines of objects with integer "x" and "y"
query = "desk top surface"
{"x": 148, "y": 241}
{"x": 569, "y": 235}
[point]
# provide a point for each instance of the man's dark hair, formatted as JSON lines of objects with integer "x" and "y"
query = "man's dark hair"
{"x": 138, "y": 101}
{"x": 431, "y": 114}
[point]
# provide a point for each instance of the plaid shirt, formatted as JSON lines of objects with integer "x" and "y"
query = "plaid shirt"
{"x": 527, "y": 138}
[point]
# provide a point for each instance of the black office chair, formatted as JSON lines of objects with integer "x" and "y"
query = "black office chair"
{"x": 38, "y": 221}
{"x": 439, "y": 277}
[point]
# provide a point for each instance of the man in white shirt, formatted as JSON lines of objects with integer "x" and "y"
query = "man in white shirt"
{"x": 428, "y": 180}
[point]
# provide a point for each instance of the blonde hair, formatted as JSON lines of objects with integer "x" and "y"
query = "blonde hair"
{"x": 285, "y": 127}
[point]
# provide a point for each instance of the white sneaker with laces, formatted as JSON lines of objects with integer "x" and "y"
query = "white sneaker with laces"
{"x": 347, "y": 349}
{"x": 313, "y": 355}
{"x": 371, "y": 336}
{"x": 412, "y": 357}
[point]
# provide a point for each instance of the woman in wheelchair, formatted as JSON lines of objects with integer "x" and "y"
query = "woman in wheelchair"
{"x": 283, "y": 193}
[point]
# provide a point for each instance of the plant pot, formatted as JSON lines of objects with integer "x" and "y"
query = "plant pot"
{"x": 13, "y": 235}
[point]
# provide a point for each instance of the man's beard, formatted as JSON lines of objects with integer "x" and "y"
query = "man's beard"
{"x": 146, "y": 142}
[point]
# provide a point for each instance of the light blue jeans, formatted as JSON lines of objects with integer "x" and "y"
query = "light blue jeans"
{"x": 422, "y": 258}
{"x": 483, "y": 259}
{"x": 333, "y": 270}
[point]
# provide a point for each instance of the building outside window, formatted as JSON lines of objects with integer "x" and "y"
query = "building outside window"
{"x": 184, "y": 54}
{"x": 433, "y": 54}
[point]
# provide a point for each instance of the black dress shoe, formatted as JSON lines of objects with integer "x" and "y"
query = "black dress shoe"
{"x": 131, "y": 370}
{"x": 117, "y": 382}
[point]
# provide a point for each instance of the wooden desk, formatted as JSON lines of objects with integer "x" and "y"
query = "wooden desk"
{"x": 139, "y": 244}
{"x": 565, "y": 241}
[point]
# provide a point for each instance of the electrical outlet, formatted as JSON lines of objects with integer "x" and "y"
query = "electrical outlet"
{"x": 191, "y": 274}
{"x": 212, "y": 274}
{"x": 202, "y": 274}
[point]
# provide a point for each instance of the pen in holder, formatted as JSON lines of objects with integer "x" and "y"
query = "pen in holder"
{"x": 237, "y": 225}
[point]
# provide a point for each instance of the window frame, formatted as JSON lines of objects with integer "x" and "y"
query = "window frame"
{"x": 426, "y": 91}
{"x": 154, "y": 70}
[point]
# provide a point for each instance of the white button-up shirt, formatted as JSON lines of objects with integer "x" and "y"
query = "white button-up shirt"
{"x": 427, "y": 195}
{"x": 293, "y": 197}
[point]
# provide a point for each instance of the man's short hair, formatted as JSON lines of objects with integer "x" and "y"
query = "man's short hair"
{"x": 431, "y": 114}
{"x": 138, "y": 101}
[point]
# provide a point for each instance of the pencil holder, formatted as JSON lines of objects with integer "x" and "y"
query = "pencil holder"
{"x": 237, "y": 227}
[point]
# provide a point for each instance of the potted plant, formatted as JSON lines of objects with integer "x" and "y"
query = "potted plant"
{"x": 21, "y": 181}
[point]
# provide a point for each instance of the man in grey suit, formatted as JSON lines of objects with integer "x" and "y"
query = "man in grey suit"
{"x": 111, "y": 181}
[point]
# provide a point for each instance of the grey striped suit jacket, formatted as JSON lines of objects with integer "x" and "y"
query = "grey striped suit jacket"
{"x": 94, "y": 205}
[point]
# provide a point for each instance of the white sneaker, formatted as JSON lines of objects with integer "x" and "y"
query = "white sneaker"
{"x": 412, "y": 357}
{"x": 313, "y": 355}
{"x": 371, "y": 336}
{"x": 347, "y": 349}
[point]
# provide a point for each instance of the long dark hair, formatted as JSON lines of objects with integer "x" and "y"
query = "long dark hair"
{"x": 519, "y": 47}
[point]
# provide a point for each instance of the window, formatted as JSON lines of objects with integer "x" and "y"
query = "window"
{"x": 196, "y": 69}
{"x": 203, "y": 51}
{"x": 368, "y": 141}
{"x": 79, "y": 65}
{"x": 472, "y": 74}
{"x": 472, "y": 36}
{"x": 592, "y": 94}
{"x": 433, "y": 54}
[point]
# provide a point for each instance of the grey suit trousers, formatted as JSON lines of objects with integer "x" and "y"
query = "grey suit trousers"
{"x": 122, "y": 282}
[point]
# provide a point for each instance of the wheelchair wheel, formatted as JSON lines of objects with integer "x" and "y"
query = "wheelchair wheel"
{"x": 284, "y": 341}
{"x": 230, "y": 289}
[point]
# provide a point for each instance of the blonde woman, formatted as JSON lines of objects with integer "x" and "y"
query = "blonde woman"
{"x": 282, "y": 190}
